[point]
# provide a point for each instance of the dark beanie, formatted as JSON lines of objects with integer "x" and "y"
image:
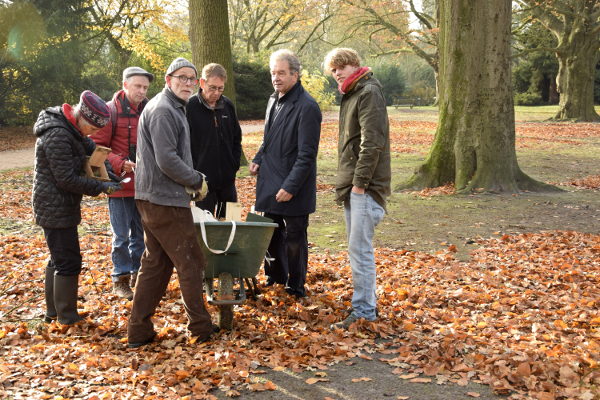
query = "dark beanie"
{"x": 93, "y": 109}
{"x": 180, "y": 62}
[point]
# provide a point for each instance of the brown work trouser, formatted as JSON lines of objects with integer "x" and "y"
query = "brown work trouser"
{"x": 171, "y": 242}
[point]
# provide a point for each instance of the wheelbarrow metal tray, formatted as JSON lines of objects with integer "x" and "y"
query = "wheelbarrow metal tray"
{"x": 246, "y": 252}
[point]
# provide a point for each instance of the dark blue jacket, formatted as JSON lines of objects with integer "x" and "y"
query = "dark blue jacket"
{"x": 288, "y": 154}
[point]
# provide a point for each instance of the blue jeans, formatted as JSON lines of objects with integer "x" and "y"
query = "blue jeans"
{"x": 363, "y": 214}
{"x": 128, "y": 236}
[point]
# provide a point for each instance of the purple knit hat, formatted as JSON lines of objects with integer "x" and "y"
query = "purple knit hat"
{"x": 93, "y": 109}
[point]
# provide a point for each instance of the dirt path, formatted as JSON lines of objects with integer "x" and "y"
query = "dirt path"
{"x": 26, "y": 157}
{"x": 17, "y": 159}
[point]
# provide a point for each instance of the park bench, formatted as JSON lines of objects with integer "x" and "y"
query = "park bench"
{"x": 403, "y": 103}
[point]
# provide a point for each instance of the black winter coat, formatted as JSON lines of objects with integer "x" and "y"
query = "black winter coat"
{"x": 215, "y": 140}
{"x": 288, "y": 155}
{"x": 60, "y": 155}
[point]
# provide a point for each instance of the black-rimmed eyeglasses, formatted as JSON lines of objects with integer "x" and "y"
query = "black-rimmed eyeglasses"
{"x": 184, "y": 79}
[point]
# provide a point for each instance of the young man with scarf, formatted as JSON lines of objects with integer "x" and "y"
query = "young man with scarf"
{"x": 364, "y": 172}
{"x": 121, "y": 136}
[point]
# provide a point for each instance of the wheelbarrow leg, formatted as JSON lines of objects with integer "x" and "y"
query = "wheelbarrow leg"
{"x": 252, "y": 287}
{"x": 225, "y": 314}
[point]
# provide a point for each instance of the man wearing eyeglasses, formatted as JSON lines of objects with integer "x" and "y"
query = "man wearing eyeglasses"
{"x": 216, "y": 139}
{"x": 164, "y": 174}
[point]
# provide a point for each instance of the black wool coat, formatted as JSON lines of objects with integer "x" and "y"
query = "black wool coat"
{"x": 60, "y": 155}
{"x": 215, "y": 140}
{"x": 288, "y": 155}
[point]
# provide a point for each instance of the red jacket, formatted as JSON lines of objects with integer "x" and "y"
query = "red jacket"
{"x": 120, "y": 139}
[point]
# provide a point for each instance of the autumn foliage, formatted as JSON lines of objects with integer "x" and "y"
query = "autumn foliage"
{"x": 522, "y": 315}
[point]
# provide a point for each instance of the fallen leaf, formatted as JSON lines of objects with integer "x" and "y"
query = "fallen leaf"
{"x": 420, "y": 380}
{"x": 270, "y": 385}
{"x": 361, "y": 380}
{"x": 312, "y": 381}
{"x": 257, "y": 387}
{"x": 408, "y": 376}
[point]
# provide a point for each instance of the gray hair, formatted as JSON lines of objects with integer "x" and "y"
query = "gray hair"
{"x": 77, "y": 115}
{"x": 291, "y": 58}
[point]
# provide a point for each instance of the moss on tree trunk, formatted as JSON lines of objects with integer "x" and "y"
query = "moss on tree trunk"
{"x": 474, "y": 145}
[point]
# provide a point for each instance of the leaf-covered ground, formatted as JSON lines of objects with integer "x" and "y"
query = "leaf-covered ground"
{"x": 521, "y": 316}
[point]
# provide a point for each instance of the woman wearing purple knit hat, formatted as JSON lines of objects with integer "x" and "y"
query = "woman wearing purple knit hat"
{"x": 61, "y": 151}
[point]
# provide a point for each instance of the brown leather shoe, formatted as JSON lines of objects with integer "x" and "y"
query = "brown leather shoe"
{"x": 122, "y": 289}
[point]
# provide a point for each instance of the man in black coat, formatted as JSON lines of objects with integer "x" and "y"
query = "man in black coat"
{"x": 61, "y": 151}
{"x": 286, "y": 165}
{"x": 215, "y": 139}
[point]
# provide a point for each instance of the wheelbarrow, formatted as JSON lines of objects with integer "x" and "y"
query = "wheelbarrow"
{"x": 233, "y": 250}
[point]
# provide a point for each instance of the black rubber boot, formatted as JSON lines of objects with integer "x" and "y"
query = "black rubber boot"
{"x": 49, "y": 292}
{"x": 65, "y": 299}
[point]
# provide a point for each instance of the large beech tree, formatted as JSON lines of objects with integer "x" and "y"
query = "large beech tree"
{"x": 210, "y": 40}
{"x": 474, "y": 145}
{"x": 576, "y": 25}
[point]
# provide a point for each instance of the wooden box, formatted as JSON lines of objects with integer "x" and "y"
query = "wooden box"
{"x": 94, "y": 167}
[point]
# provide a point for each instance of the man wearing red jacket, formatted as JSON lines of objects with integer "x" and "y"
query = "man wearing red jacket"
{"x": 121, "y": 136}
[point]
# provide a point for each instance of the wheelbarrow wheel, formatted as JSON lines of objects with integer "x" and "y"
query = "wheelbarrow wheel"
{"x": 225, "y": 315}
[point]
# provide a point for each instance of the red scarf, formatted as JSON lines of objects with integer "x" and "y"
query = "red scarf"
{"x": 68, "y": 111}
{"x": 350, "y": 81}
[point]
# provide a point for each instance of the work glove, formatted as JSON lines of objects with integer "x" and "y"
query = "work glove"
{"x": 198, "y": 194}
{"x": 113, "y": 177}
{"x": 110, "y": 187}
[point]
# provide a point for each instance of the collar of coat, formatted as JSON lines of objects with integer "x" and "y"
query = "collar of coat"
{"x": 218, "y": 105}
{"x": 68, "y": 112}
{"x": 126, "y": 105}
{"x": 169, "y": 93}
{"x": 288, "y": 94}
{"x": 351, "y": 81}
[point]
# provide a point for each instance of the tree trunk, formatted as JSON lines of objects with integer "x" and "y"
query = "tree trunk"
{"x": 577, "y": 62}
{"x": 209, "y": 37}
{"x": 210, "y": 40}
{"x": 474, "y": 145}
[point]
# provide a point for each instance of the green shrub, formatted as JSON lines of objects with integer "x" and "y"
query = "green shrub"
{"x": 252, "y": 89}
{"x": 317, "y": 85}
{"x": 528, "y": 99}
{"x": 392, "y": 81}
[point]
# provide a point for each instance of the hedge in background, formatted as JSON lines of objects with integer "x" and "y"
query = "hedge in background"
{"x": 253, "y": 88}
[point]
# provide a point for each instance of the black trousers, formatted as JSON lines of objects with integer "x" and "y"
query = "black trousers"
{"x": 65, "y": 254}
{"x": 289, "y": 248}
{"x": 218, "y": 198}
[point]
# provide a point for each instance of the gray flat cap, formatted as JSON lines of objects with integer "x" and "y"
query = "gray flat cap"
{"x": 180, "y": 62}
{"x": 131, "y": 71}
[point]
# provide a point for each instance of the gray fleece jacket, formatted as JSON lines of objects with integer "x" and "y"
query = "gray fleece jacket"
{"x": 164, "y": 158}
